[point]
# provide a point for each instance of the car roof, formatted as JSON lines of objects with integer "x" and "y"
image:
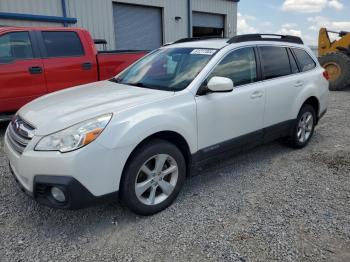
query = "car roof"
{"x": 241, "y": 40}
{"x": 219, "y": 44}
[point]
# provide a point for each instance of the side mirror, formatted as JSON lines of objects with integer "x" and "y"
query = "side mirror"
{"x": 220, "y": 84}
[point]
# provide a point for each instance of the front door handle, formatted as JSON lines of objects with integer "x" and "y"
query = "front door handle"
{"x": 256, "y": 94}
{"x": 35, "y": 70}
{"x": 86, "y": 66}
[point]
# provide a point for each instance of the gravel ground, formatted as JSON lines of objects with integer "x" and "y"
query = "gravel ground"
{"x": 272, "y": 203}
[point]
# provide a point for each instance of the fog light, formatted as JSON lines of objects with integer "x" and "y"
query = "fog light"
{"x": 58, "y": 194}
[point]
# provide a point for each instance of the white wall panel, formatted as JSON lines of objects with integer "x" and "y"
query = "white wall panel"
{"x": 175, "y": 30}
{"x": 94, "y": 15}
{"x": 97, "y": 15}
{"x": 12, "y": 22}
{"x": 37, "y": 7}
{"x": 224, "y": 7}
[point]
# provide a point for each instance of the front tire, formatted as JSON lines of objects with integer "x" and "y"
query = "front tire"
{"x": 303, "y": 128}
{"x": 153, "y": 177}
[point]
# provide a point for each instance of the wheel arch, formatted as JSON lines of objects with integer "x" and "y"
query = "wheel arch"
{"x": 170, "y": 136}
{"x": 315, "y": 103}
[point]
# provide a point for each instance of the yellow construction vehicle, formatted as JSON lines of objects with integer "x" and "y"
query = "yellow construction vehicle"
{"x": 334, "y": 56}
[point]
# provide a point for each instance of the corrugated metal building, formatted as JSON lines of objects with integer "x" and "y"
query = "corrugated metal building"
{"x": 128, "y": 24}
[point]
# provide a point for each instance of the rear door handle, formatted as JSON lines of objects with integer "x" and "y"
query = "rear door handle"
{"x": 35, "y": 70}
{"x": 86, "y": 66}
{"x": 256, "y": 94}
{"x": 299, "y": 84}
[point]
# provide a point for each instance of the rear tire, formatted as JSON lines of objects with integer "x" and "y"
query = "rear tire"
{"x": 146, "y": 188}
{"x": 303, "y": 128}
{"x": 338, "y": 68}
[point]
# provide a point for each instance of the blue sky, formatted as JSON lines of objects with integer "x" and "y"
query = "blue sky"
{"x": 297, "y": 17}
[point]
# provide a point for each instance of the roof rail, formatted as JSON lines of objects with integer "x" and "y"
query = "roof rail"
{"x": 192, "y": 39}
{"x": 265, "y": 37}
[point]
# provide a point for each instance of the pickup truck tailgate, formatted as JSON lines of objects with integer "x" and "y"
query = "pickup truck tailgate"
{"x": 112, "y": 63}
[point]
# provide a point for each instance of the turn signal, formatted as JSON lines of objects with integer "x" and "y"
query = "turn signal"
{"x": 92, "y": 135}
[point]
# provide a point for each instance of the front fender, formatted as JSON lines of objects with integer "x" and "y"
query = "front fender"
{"x": 131, "y": 127}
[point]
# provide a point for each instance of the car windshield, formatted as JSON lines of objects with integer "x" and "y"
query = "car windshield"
{"x": 170, "y": 69}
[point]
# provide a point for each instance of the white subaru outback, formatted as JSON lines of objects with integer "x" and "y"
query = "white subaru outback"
{"x": 137, "y": 135}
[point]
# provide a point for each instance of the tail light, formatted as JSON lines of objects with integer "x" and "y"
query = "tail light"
{"x": 326, "y": 75}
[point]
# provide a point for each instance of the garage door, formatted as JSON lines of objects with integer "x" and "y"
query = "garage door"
{"x": 205, "y": 24}
{"x": 137, "y": 27}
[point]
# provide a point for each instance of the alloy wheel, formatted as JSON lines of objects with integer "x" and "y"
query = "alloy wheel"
{"x": 156, "y": 179}
{"x": 305, "y": 127}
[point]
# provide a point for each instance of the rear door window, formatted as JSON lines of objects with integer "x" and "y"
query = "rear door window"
{"x": 15, "y": 46}
{"x": 304, "y": 59}
{"x": 275, "y": 61}
{"x": 62, "y": 44}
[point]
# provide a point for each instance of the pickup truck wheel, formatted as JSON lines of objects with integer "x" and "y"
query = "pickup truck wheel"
{"x": 153, "y": 177}
{"x": 304, "y": 127}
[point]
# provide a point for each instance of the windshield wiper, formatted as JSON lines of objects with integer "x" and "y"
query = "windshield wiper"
{"x": 114, "y": 80}
{"x": 139, "y": 84}
{"x": 118, "y": 81}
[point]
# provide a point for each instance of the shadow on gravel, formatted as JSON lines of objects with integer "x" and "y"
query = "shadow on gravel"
{"x": 339, "y": 160}
{"x": 226, "y": 166}
{"x": 211, "y": 172}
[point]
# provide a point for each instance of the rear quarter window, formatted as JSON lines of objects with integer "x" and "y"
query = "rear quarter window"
{"x": 62, "y": 44}
{"x": 305, "y": 60}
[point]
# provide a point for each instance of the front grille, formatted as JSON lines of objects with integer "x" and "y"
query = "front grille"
{"x": 41, "y": 190}
{"x": 19, "y": 134}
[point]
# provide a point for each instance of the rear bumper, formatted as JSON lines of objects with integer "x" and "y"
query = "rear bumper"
{"x": 77, "y": 196}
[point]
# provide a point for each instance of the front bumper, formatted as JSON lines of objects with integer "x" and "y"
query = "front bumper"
{"x": 77, "y": 196}
{"x": 88, "y": 176}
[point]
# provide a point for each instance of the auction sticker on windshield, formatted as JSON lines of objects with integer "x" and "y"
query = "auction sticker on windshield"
{"x": 203, "y": 51}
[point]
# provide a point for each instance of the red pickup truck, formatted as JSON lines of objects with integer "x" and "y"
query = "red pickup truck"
{"x": 38, "y": 60}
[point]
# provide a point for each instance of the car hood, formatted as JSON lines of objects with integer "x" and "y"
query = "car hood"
{"x": 59, "y": 110}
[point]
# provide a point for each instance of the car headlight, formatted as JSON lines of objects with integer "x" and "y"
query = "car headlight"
{"x": 75, "y": 136}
